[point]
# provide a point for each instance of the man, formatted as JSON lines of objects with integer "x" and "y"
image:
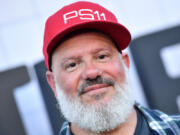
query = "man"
{"x": 88, "y": 73}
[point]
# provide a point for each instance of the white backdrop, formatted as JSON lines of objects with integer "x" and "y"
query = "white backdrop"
{"x": 21, "y": 39}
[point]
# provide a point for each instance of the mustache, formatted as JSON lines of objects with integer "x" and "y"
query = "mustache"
{"x": 97, "y": 80}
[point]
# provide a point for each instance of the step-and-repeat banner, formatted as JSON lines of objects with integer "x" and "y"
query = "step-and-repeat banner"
{"x": 157, "y": 59}
{"x": 155, "y": 55}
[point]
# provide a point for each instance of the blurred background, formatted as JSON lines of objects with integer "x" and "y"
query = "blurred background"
{"x": 27, "y": 105}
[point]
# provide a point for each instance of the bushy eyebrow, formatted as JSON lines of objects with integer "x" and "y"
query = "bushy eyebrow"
{"x": 101, "y": 49}
{"x": 69, "y": 58}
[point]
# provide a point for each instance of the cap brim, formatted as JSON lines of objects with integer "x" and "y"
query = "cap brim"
{"x": 117, "y": 31}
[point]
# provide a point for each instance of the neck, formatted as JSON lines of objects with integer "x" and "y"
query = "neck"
{"x": 127, "y": 128}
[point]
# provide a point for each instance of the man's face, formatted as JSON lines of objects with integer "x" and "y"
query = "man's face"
{"x": 91, "y": 83}
{"x": 86, "y": 66}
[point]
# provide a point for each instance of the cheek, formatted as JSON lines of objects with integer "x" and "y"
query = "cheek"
{"x": 68, "y": 83}
{"x": 117, "y": 71}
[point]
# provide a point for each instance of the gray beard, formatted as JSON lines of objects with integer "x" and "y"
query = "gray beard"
{"x": 102, "y": 117}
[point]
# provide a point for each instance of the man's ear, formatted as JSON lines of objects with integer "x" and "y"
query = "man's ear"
{"x": 126, "y": 60}
{"x": 51, "y": 81}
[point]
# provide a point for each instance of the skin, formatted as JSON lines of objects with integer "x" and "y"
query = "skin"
{"x": 86, "y": 56}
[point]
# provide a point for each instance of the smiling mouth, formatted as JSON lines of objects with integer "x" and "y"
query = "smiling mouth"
{"x": 94, "y": 88}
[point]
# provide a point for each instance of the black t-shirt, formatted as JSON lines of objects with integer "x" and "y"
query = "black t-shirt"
{"x": 142, "y": 127}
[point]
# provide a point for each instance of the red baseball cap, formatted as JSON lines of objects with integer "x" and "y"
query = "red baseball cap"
{"x": 82, "y": 15}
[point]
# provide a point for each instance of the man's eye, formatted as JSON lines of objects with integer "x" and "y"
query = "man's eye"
{"x": 71, "y": 66}
{"x": 102, "y": 56}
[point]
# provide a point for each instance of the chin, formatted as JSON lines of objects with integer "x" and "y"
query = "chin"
{"x": 98, "y": 97}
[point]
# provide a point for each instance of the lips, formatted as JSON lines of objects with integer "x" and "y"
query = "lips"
{"x": 95, "y": 87}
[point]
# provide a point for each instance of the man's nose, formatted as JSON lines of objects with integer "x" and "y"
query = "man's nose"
{"x": 91, "y": 72}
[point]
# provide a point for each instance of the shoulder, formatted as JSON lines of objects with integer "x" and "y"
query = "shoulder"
{"x": 160, "y": 122}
